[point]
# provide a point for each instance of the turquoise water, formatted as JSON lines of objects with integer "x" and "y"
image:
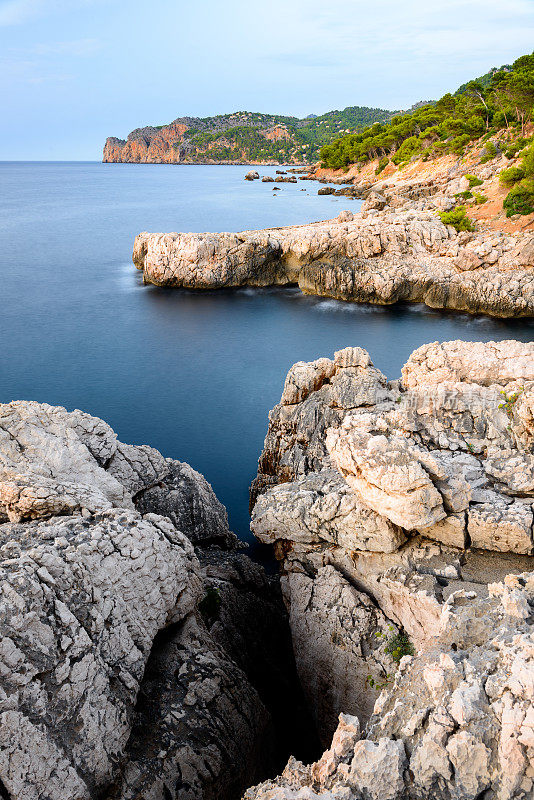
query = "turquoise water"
{"x": 191, "y": 374}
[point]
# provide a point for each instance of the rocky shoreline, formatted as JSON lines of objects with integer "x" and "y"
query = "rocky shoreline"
{"x": 395, "y": 249}
{"x": 144, "y": 655}
{"x": 381, "y": 255}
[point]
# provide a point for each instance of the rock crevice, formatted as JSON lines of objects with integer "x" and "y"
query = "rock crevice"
{"x": 401, "y": 513}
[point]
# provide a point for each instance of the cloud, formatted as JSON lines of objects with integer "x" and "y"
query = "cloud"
{"x": 77, "y": 47}
{"x": 387, "y": 48}
{"x": 17, "y": 12}
{"x": 16, "y": 73}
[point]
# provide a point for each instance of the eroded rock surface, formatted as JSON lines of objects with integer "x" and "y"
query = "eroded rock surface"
{"x": 391, "y": 505}
{"x": 457, "y": 722}
{"x": 379, "y": 256}
{"x": 118, "y": 679}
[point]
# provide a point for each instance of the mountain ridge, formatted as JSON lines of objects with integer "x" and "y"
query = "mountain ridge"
{"x": 240, "y": 137}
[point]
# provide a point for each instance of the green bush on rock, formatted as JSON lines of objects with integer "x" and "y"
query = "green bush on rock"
{"x": 520, "y": 199}
{"x": 473, "y": 180}
{"x": 511, "y": 175}
{"x": 457, "y": 218}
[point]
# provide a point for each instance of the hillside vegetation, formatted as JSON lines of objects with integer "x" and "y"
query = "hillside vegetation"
{"x": 503, "y": 99}
{"x": 242, "y": 136}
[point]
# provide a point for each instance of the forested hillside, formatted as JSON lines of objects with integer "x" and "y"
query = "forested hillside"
{"x": 242, "y": 136}
{"x": 502, "y": 100}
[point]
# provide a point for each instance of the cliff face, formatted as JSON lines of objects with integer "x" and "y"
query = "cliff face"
{"x": 402, "y": 517}
{"x": 241, "y": 137}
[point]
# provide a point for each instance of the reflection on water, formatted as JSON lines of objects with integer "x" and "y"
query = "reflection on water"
{"x": 191, "y": 373}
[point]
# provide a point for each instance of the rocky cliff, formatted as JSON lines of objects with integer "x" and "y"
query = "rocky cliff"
{"x": 384, "y": 254}
{"x": 128, "y": 658}
{"x": 401, "y": 513}
{"x": 241, "y": 137}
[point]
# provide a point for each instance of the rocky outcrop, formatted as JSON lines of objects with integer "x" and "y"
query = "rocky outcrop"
{"x": 401, "y": 513}
{"x": 377, "y": 257}
{"x": 457, "y": 722}
{"x": 126, "y": 665}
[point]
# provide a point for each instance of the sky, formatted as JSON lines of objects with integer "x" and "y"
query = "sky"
{"x": 76, "y": 71}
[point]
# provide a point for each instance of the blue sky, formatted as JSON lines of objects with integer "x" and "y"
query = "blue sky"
{"x": 76, "y": 71}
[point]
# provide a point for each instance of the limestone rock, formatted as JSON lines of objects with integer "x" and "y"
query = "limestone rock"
{"x": 455, "y": 723}
{"x": 81, "y": 605}
{"x": 111, "y": 684}
{"x": 413, "y": 492}
{"x": 339, "y": 642}
{"x": 378, "y": 256}
{"x": 321, "y": 507}
{"x": 482, "y": 363}
{"x": 51, "y": 463}
{"x": 387, "y": 476}
{"x": 185, "y": 497}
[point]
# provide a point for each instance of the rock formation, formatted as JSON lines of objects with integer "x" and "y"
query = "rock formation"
{"x": 377, "y": 256}
{"x": 143, "y": 656}
{"x": 401, "y": 513}
{"x": 126, "y": 666}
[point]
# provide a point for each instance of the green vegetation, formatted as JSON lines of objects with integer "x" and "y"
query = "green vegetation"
{"x": 509, "y": 402}
{"x": 515, "y": 147}
{"x": 501, "y": 103}
{"x": 242, "y": 135}
{"x": 480, "y": 199}
{"x": 511, "y": 175}
{"x": 520, "y": 180}
{"x": 382, "y": 164}
{"x": 473, "y": 181}
{"x": 304, "y": 137}
{"x": 467, "y": 195}
{"x": 457, "y": 218}
{"x": 399, "y": 645}
{"x": 520, "y": 199}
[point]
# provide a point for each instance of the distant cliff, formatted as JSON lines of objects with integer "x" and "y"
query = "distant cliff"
{"x": 240, "y": 137}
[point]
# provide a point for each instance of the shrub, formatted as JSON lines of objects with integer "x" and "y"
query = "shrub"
{"x": 489, "y": 152}
{"x": 457, "y": 218}
{"x": 458, "y": 144}
{"x": 382, "y": 164}
{"x": 520, "y": 199}
{"x": 467, "y": 195}
{"x": 527, "y": 162}
{"x": 210, "y": 603}
{"x": 398, "y": 646}
{"x": 515, "y": 147}
{"x": 480, "y": 199}
{"x": 473, "y": 180}
{"x": 511, "y": 175}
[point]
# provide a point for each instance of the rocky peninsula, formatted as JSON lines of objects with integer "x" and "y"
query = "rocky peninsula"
{"x": 376, "y": 256}
{"x": 401, "y": 513}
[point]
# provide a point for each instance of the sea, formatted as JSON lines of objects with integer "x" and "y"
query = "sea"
{"x": 193, "y": 374}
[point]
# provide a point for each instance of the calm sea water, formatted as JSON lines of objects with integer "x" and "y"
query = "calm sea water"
{"x": 191, "y": 374}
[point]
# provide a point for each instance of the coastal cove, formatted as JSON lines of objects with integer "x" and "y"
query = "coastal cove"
{"x": 192, "y": 374}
